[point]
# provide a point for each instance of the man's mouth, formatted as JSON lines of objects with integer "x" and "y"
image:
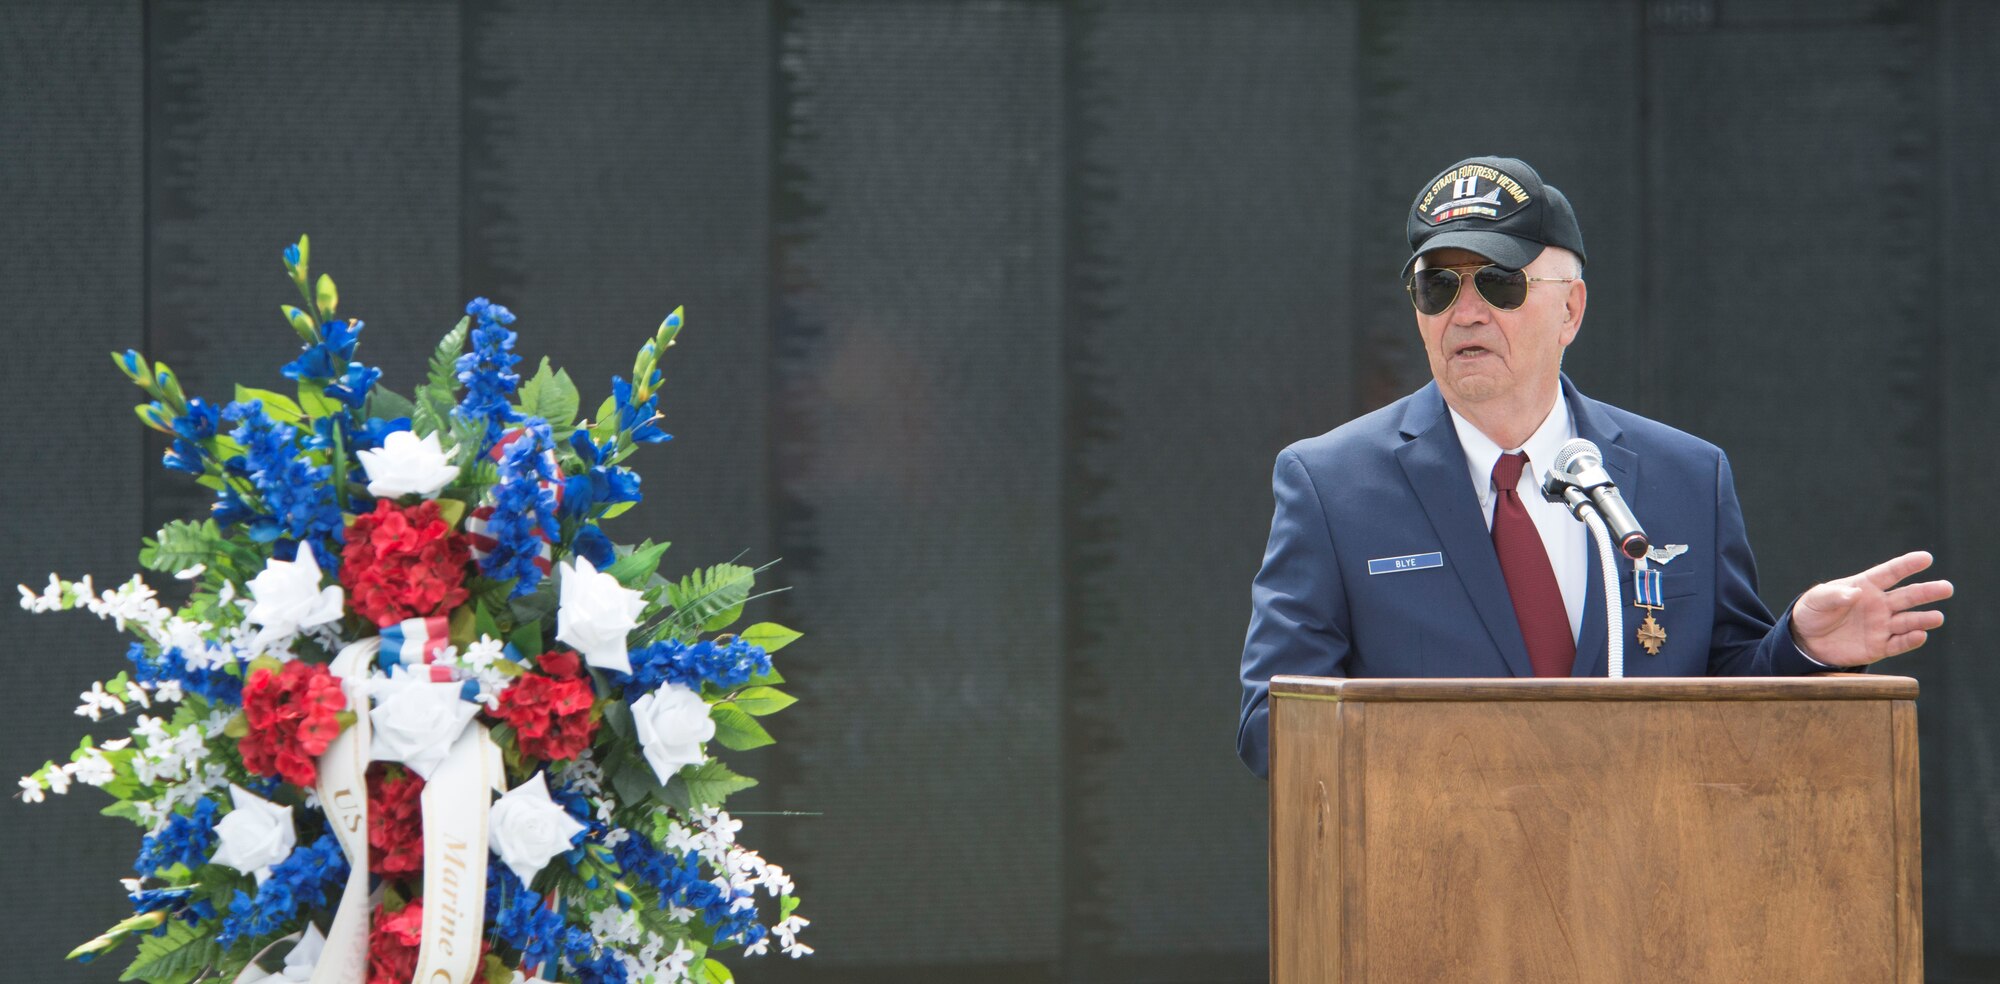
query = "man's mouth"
{"x": 1470, "y": 351}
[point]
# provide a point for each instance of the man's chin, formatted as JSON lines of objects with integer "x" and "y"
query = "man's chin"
{"x": 1475, "y": 388}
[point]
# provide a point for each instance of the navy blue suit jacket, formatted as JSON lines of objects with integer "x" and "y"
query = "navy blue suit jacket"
{"x": 1394, "y": 484}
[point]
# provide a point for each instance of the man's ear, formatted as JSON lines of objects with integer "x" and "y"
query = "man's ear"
{"x": 1574, "y": 302}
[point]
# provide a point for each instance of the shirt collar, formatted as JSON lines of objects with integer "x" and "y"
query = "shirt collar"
{"x": 1480, "y": 451}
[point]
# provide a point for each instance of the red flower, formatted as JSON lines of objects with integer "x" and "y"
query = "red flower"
{"x": 392, "y": 944}
{"x": 293, "y": 714}
{"x": 551, "y": 717}
{"x": 403, "y": 563}
{"x": 395, "y": 821}
{"x": 559, "y": 663}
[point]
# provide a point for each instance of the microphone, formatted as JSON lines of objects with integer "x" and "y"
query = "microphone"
{"x": 1578, "y": 479}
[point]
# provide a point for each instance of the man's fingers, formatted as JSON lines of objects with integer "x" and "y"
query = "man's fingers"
{"x": 1889, "y": 573}
{"x": 1915, "y": 595}
{"x": 1914, "y": 622}
{"x": 1900, "y": 644}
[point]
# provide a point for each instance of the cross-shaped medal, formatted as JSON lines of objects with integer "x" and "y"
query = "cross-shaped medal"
{"x": 1646, "y": 595}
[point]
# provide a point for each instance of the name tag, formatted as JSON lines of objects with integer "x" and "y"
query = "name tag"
{"x": 1413, "y": 562}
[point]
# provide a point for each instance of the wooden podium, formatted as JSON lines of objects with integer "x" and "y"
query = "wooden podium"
{"x": 1674, "y": 830}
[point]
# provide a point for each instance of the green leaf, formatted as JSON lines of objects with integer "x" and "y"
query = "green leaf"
{"x": 760, "y": 701}
{"x": 711, "y": 782}
{"x": 178, "y": 956}
{"x": 704, "y": 598}
{"x": 277, "y": 406}
{"x": 126, "y": 809}
{"x": 551, "y": 395}
{"x": 634, "y": 569}
{"x": 618, "y": 717}
{"x": 527, "y": 639}
{"x": 316, "y": 403}
{"x": 770, "y": 679}
{"x": 634, "y": 780}
{"x": 770, "y": 635}
{"x": 387, "y": 404}
{"x": 738, "y": 731}
{"x": 483, "y": 623}
{"x": 605, "y": 426}
{"x": 181, "y": 544}
{"x": 712, "y": 972}
{"x": 786, "y": 906}
{"x": 439, "y": 394}
{"x": 536, "y": 606}
{"x": 617, "y": 509}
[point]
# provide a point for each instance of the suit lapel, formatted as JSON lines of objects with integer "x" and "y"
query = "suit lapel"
{"x": 1622, "y": 464}
{"x": 1434, "y": 463}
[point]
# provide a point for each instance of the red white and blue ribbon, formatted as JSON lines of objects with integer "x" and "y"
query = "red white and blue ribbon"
{"x": 417, "y": 642}
{"x": 1646, "y": 588}
{"x": 476, "y": 521}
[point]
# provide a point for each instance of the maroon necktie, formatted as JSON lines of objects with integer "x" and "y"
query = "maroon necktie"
{"x": 1531, "y": 581}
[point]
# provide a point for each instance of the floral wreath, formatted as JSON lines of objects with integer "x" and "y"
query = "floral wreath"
{"x": 401, "y": 607}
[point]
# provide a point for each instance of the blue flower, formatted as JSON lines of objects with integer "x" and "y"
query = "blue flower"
{"x": 673, "y": 661}
{"x": 599, "y": 486}
{"x": 518, "y": 918}
{"x": 303, "y": 879}
{"x": 668, "y": 875}
{"x": 185, "y": 456}
{"x": 186, "y": 838}
{"x": 212, "y": 683}
{"x": 375, "y": 430}
{"x": 591, "y": 544}
{"x": 524, "y": 509}
{"x": 487, "y": 372}
{"x": 602, "y": 967}
{"x": 636, "y": 419}
{"x": 297, "y": 496}
{"x": 199, "y": 422}
{"x": 352, "y": 388}
{"x": 229, "y": 508}
{"x": 328, "y": 359}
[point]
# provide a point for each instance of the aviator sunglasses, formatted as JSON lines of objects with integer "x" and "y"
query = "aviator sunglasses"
{"x": 1434, "y": 290}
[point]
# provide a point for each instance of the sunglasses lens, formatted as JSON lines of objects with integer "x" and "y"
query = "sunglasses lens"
{"x": 1432, "y": 291}
{"x": 1504, "y": 289}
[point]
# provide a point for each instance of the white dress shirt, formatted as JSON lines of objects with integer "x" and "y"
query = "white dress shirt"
{"x": 1565, "y": 539}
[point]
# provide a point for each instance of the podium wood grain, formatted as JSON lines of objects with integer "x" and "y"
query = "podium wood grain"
{"x": 1595, "y": 830}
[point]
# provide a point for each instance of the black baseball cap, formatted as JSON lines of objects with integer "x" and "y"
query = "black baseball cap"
{"x": 1497, "y": 207}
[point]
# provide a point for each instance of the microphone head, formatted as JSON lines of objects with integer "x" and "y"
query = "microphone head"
{"x": 1576, "y": 456}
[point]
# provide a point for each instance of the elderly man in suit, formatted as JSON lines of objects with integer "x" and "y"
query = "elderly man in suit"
{"x": 1414, "y": 541}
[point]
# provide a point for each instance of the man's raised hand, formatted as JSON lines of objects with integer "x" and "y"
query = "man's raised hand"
{"x": 1859, "y": 619}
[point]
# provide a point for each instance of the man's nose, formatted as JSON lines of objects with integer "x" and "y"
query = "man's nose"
{"x": 1470, "y": 307}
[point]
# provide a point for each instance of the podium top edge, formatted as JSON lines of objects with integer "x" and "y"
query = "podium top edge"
{"x": 1824, "y": 686}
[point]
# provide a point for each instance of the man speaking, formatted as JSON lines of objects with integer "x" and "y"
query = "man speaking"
{"x": 1415, "y": 541}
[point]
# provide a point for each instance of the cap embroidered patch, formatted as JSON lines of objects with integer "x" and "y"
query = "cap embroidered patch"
{"x": 1471, "y": 191}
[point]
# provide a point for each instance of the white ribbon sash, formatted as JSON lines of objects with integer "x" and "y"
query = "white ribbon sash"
{"x": 456, "y": 799}
{"x": 455, "y": 802}
{"x": 343, "y": 794}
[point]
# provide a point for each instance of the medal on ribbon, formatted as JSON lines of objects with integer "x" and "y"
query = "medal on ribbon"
{"x": 1646, "y": 594}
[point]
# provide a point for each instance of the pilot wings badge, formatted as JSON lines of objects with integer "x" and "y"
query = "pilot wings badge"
{"x": 1666, "y": 552}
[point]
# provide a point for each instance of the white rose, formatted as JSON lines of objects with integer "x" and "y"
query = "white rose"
{"x": 673, "y": 723}
{"x": 289, "y": 598}
{"x": 526, "y": 828}
{"x": 408, "y": 465}
{"x": 415, "y": 721}
{"x": 299, "y": 963}
{"x": 595, "y": 613}
{"x": 255, "y": 835}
